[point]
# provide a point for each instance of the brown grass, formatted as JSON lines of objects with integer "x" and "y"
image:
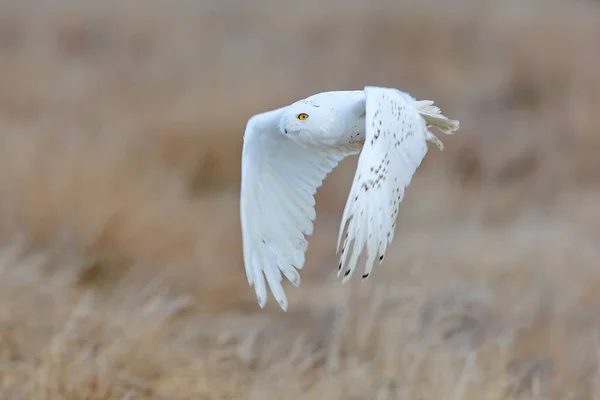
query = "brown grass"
{"x": 121, "y": 274}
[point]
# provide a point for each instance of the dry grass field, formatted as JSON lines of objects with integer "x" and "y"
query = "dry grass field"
{"x": 121, "y": 274}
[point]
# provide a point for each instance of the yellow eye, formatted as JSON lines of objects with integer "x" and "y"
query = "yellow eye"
{"x": 302, "y": 116}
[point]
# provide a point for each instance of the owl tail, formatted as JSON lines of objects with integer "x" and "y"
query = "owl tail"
{"x": 434, "y": 117}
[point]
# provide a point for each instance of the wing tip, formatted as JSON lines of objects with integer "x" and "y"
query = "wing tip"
{"x": 262, "y": 300}
{"x": 283, "y": 304}
{"x": 282, "y": 301}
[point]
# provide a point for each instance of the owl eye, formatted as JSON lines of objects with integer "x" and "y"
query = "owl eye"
{"x": 302, "y": 116}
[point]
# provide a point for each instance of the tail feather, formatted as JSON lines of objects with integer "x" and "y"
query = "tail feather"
{"x": 433, "y": 116}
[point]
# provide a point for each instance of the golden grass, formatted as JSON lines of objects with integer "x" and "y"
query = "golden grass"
{"x": 121, "y": 274}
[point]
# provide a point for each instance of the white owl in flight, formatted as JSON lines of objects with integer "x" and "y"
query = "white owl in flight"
{"x": 289, "y": 151}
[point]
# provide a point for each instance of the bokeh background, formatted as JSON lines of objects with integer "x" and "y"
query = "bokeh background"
{"x": 121, "y": 127}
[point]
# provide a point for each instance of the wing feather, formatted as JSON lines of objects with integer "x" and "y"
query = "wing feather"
{"x": 395, "y": 145}
{"x": 279, "y": 180}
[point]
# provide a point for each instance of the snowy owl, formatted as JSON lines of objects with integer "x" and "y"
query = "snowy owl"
{"x": 287, "y": 154}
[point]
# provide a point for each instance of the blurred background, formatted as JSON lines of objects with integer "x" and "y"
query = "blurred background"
{"x": 121, "y": 128}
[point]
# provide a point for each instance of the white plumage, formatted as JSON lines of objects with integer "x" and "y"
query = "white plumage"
{"x": 287, "y": 154}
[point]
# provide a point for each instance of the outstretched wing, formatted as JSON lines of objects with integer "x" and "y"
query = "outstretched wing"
{"x": 277, "y": 205}
{"x": 395, "y": 145}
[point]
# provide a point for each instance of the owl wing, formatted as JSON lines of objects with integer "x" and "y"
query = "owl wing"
{"x": 277, "y": 205}
{"x": 395, "y": 145}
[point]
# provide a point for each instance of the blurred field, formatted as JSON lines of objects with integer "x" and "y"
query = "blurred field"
{"x": 121, "y": 274}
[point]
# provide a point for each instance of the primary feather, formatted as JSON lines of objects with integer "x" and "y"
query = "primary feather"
{"x": 285, "y": 159}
